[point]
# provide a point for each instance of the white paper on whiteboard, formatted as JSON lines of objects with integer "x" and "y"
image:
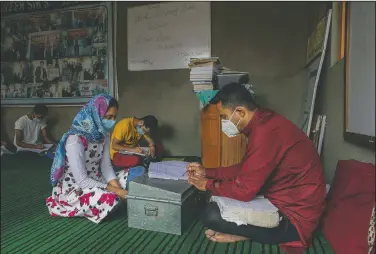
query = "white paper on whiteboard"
{"x": 166, "y": 35}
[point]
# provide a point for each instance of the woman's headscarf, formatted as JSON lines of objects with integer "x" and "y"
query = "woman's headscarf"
{"x": 88, "y": 124}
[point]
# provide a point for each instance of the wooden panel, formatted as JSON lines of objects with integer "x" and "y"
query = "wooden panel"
{"x": 218, "y": 149}
{"x": 210, "y": 136}
{"x": 233, "y": 149}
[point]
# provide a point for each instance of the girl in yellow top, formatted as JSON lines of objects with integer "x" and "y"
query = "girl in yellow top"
{"x": 126, "y": 136}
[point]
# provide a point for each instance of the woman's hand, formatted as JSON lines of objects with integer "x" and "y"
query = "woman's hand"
{"x": 118, "y": 191}
{"x": 152, "y": 151}
{"x": 122, "y": 193}
{"x": 115, "y": 183}
{"x": 138, "y": 150}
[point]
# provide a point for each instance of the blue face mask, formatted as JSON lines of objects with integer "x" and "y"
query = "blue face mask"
{"x": 108, "y": 125}
{"x": 140, "y": 130}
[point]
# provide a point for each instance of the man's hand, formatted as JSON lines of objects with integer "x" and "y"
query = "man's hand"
{"x": 195, "y": 169}
{"x": 198, "y": 182}
{"x": 39, "y": 146}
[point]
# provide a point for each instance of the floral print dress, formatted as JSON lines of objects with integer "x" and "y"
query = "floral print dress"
{"x": 94, "y": 203}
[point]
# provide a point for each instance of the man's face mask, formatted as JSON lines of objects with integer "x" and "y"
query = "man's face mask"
{"x": 37, "y": 119}
{"x": 229, "y": 128}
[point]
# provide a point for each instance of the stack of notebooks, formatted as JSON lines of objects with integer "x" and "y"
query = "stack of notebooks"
{"x": 203, "y": 73}
{"x": 317, "y": 131}
{"x": 259, "y": 212}
{"x": 171, "y": 170}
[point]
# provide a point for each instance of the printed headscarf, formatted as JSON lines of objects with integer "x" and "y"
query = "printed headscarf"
{"x": 87, "y": 124}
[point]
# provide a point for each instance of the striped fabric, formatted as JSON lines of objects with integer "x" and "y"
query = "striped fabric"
{"x": 26, "y": 226}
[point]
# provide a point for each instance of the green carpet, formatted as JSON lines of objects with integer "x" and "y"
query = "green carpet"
{"x": 26, "y": 226}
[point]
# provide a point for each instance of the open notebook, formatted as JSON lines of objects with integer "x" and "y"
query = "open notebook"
{"x": 45, "y": 149}
{"x": 144, "y": 149}
{"x": 173, "y": 170}
{"x": 4, "y": 150}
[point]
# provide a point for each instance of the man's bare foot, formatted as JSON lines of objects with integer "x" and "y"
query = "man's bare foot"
{"x": 210, "y": 233}
{"x": 226, "y": 238}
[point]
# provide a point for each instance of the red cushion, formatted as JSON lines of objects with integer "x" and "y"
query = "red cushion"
{"x": 350, "y": 202}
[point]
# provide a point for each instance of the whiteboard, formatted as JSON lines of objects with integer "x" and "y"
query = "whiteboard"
{"x": 166, "y": 35}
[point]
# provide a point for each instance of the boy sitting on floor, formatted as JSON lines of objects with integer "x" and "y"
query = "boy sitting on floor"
{"x": 28, "y": 128}
{"x": 126, "y": 136}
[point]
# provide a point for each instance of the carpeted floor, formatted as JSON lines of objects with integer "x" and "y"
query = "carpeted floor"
{"x": 26, "y": 226}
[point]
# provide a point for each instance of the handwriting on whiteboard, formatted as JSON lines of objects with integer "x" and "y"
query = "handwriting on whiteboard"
{"x": 149, "y": 38}
{"x": 156, "y": 13}
{"x": 167, "y": 35}
{"x": 143, "y": 61}
{"x": 170, "y": 46}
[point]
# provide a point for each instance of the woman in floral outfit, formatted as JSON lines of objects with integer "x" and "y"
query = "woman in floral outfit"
{"x": 84, "y": 182}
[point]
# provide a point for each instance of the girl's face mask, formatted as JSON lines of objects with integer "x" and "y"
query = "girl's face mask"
{"x": 140, "y": 130}
{"x": 108, "y": 125}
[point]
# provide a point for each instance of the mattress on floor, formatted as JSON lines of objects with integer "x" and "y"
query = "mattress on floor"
{"x": 26, "y": 225}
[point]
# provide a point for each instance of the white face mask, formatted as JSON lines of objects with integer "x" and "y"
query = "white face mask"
{"x": 229, "y": 128}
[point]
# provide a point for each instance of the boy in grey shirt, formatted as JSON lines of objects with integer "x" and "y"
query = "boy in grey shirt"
{"x": 29, "y": 127}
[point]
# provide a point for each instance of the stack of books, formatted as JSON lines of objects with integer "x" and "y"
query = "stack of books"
{"x": 203, "y": 73}
{"x": 317, "y": 131}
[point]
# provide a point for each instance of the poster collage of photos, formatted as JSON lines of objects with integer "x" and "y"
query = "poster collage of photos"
{"x": 54, "y": 55}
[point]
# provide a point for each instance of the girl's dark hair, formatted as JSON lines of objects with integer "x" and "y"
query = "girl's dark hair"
{"x": 150, "y": 122}
{"x": 113, "y": 104}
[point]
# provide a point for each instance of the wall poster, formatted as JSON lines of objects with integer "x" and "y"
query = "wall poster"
{"x": 62, "y": 56}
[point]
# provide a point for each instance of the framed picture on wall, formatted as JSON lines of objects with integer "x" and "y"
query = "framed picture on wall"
{"x": 56, "y": 55}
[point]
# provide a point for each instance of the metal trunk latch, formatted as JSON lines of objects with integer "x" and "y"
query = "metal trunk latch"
{"x": 151, "y": 210}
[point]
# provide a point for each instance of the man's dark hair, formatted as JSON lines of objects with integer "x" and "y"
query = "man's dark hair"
{"x": 113, "y": 104}
{"x": 40, "y": 109}
{"x": 150, "y": 122}
{"x": 234, "y": 95}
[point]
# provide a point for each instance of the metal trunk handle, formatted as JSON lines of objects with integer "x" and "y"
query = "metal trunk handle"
{"x": 151, "y": 210}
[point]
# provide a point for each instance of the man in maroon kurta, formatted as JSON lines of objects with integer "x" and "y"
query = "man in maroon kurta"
{"x": 280, "y": 163}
